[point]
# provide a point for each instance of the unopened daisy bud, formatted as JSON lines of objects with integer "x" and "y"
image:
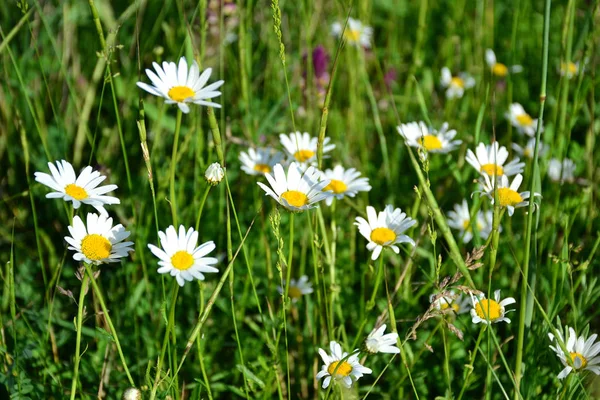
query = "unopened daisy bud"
{"x": 214, "y": 174}
{"x": 132, "y": 394}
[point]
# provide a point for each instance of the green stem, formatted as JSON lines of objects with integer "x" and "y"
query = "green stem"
{"x": 524, "y": 280}
{"x": 106, "y": 316}
{"x": 216, "y": 133}
{"x": 84, "y": 284}
{"x": 172, "y": 195}
{"x": 202, "y": 205}
{"x": 473, "y": 358}
{"x": 288, "y": 274}
{"x": 378, "y": 280}
{"x": 168, "y": 330}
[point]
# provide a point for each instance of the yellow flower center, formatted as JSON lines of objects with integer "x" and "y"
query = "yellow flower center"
{"x": 527, "y": 153}
{"x": 430, "y": 142}
{"x": 295, "y": 198}
{"x": 444, "y": 306}
{"x": 492, "y": 169}
{"x": 182, "y": 260}
{"x": 352, "y": 35}
{"x": 76, "y": 192}
{"x": 95, "y": 247}
{"x": 581, "y": 358}
{"x": 508, "y": 197}
{"x": 487, "y": 307}
{"x": 467, "y": 225}
{"x": 524, "y": 120}
{"x": 294, "y": 292}
{"x": 456, "y": 81}
{"x": 570, "y": 68}
{"x": 382, "y": 235}
{"x": 262, "y": 168}
{"x": 336, "y": 186}
{"x": 180, "y": 93}
{"x": 343, "y": 370}
{"x": 500, "y": 70}
{"x": 303, "y": 155}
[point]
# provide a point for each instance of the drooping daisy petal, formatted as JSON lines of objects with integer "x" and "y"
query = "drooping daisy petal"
{"x": 561, "y": 171}
{"x": 302, "y": 147}
{"x": 456, "y": 85}
{"x": 344, "y": 182}
{"x": 77, "y": 189}
{"x": 491, "y": 160}
{"x": 521, "y": 120}
{"x": 377, "y": 342}
{"x": 418, "y": 135}
{"x": 582, "y": 352}
{"x": 298, "y": 288}
{"x": 260, "y": 161}
{"x": 490, "y": 311}
{"x": 356, "y": 33}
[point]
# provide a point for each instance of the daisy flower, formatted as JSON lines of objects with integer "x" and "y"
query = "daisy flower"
{"x": 490, "y": 311}
{"x": 180, "y": 257}
{"x": 456, "y": 85}
{"x": 528, "y": 150}
{"x": 356, "y": 33}
{"x": 418, "y": 135}
{"x": 303, "y": 148}
{"x": 562, "y": 172}
{"x": 508, "y": 195}
{"x": 344, "y": 182}
{"x": 498, "y": 69}
{"x": 460, "y": 219}
{"x": 489, "y": 160}
{"x": 98, "y": 241}
{"x": 346, "y": 371}
{"x": 583, "y": 353}
{"x": 521, "y": 120}
{"x": 297, "y": 289}
{"x": 214, "y": 174}
{"x": 384, "y": 229}
{"x": 569, "y": 69}
{"x": 180, "y": 85}
{"x": 78, "y": 189}
{"x": 451, "y": 301}
{"x": 298, "y": 191}
{"x": 260, "y": 161}
{"x": 377, "y": 342}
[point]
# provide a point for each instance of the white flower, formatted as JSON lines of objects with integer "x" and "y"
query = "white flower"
{"x": 179, "y": 86}
{"x": 490, "y": 311}
{"x": 460, "y": 219}
{"x": 297, "y": 289}
{"x": 377, "y": 342}
{"x": 582, "y": 353}
{"x": 344, "y": 182}
{"x": 132, "y": 394}
{"x": 356, "y": 33}
{"x": 456, "y": 84}
{"x": 562, "y": 172}
{"x": 508, "y": 195}
{"x": 529, "y": 149}
{"x": 346, "y": 371}
{"x": 180, "y": 257}
{"x": 303, "y": 148}
{"x": 214, "y": 174}
{"x": 298, "y": 191}
{"x": 417, "y": 134}
{"x": 521, "y": 120}
{"x": 489, "y": 160}
{"x": 569, "y": 69}
{"x": 259, "y": 161}
{"x": 81, "y": 189}
{"x": 498, "y": 69}
{"x": 384, "y": 229}
{"x": 450, "y": 300}
{"x": 98, "y": 242}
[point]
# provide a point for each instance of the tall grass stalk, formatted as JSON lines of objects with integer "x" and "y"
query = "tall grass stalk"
{"x": 531, "y": 208}
{"x": 80, "y": 314}
{"x": 172, "y": 193}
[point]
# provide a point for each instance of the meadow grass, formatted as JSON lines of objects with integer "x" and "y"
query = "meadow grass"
{"x": 71, "y": 329}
